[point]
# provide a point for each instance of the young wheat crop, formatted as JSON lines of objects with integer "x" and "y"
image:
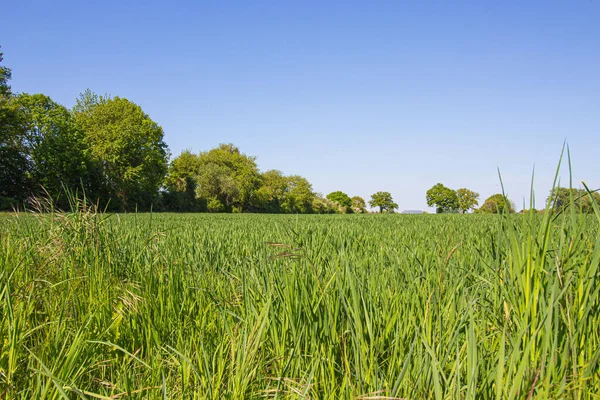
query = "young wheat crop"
{"x": 274, "y": 306}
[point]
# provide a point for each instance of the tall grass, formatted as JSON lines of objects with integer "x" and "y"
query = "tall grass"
{"x": 324, "y": 307}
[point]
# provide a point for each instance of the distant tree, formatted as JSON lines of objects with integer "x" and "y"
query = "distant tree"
{"x": 384, "y": 201}
{"x": 299, "y": 196}
{"x": 215, "y": 205}
{"x": 443, "y": 198}
{"x": 5, "y": 76}
{"x": 270, "y": 195}
{"x": 342, "y": 200}
{"x": 497, "y": 204}
{"x": 588, "y": 206}
{"x": 184, "y": 167}
{"x": 358, "y": 205}
{"x": 562, "y": 198}
{"x": 129, "y": 148}
{"x": 322, "y": 205}
{"x": 14, "y": 165}
{"x": 181, "y": 184}
{"x": 53, "y": 144}
{"x": 467, "y": 199}
{"x": 86, "y": 101}
{"x": 228, "y": 176}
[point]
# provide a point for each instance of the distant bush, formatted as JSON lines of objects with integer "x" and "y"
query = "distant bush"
{"x": 8, "y": 204}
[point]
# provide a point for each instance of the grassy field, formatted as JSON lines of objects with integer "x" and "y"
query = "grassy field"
{"x": 322, "y": 307}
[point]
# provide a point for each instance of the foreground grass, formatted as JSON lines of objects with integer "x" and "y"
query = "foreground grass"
{"x": 327, "y": 307}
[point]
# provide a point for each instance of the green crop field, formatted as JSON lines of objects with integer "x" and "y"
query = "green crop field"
{"x": 312, "y": 306}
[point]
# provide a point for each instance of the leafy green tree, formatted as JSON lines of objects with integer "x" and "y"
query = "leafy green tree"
{"x": 184, "y": 167}
{"x": 215, "y": 205}
{"x": 299, "y": 195}
{"x": 443, "y": 198}
{"x": 358, "y": 205}
{"x": 227, "y": 175}
{"x": 181, "y": 185}
{"x": 270, "y": 195}
{"x": 86, "y": 101}
{"x": 53, "y": 144}
{"x": 5, "y": 76}
{"x": 562, "y": 198}
{"x": 384, "y": 201}
{"x": 322, "y": 205}
{"x": 467, "y": 199}
{"x": 341, "y": 200}
{"x": 128, "y": 147}
{"x": 14, "y": 164}
{"x": 496, "y": 204}
{"x": 588, "y": 207}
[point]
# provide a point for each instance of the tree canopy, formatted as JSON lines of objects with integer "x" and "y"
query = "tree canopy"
{"x": 227, "y": 180}
{"x": 467, "y": 199}
{"x": 14, "y": 165}
{"x": 358, "y": 205}
{"x": 5, "y": 76}
{"x": 341, "y": 200}
{"x": 299, "y": 195}
{"x": 227, "y": 176}
{"x": 579, "y": 200}
{"x": 497, "y": 204}
{"x": 129, "y": 150}
{"x": 113, "y": 151}
{"x": 443, "y": 198}
{"x": 53, "y": 144}
{"x": 384, "y": 201}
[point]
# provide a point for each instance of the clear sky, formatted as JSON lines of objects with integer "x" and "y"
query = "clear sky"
{"x": 357, "y": 96}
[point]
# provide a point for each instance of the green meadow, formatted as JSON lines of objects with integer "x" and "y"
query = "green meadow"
{"x": 214, "y": 306}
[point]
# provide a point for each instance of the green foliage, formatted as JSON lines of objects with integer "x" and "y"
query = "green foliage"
{"x": 14, "y": 165}
{"x": 224, "y": 173}
{"x": 229, "y": 181}
{"x": 342, "y": 202}
{"x": 496, "y": 204}
{"x": 5, "y": 76}
{"x": 270, "y": 195}
{"x": 181, "y": 184}
{"x": 182, "y": 169}
{"x": 467, "y": 199}
{"x": 341, "y": 198}
{"x": 579, "y": 200}
{"x": 443, "y": 198}
{"x": 53, "y": 145}
{"x": 8, "y": 204}
{"x": 299, "y": 196}
{"x": 358, "y": 205}
{"x": 215, "y": 205}
{"x": 112, "y": 151}
{"x": 322, "y": 205}
{"x": 86, "y": 101}
{"x": 128, "y": 148}
{"x": 384, "y": 201}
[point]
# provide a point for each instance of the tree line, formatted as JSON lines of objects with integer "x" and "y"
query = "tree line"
{"x": 109, "y": 149}
{"x": 447, "y": 200}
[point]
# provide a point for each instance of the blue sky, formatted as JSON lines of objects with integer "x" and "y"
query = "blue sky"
{"x": 355, "y": 96}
